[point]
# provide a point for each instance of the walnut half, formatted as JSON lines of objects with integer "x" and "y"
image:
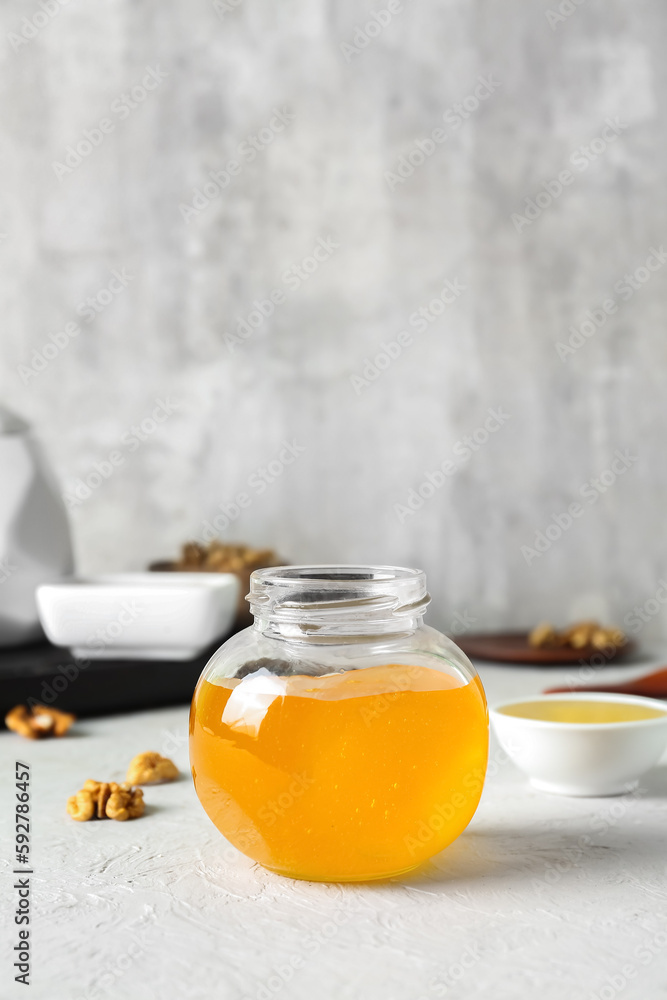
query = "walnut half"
{"x": 81, "y": 806}
{"x": 100, "y": 790}
{"x": 150, "y": 768}
{"x": 39, "y": 721}
{"x": 125, "y": 803}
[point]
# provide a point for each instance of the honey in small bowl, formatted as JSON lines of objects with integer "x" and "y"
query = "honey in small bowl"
{"x": 583, "y": 744}
{"x": 582, "y": 712}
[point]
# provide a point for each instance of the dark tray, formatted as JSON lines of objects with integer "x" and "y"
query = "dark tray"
{"x": 50, "y": 675}
{"x": 513, "y": 647}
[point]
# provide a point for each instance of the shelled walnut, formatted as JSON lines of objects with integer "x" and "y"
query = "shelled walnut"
{"x": 38, "y": 722}
{"x": 150, "y": 768}
{"x": 106, "y": 800}
{"x": 220, "y": 557}
{"x": 580, "y": 635}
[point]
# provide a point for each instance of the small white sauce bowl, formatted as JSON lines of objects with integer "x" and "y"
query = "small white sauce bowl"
{"x": 574, "y": 758}
{"x": 139, "y": 616}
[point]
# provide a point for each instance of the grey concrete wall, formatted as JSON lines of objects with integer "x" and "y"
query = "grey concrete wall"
{"x": 341, "y": 165}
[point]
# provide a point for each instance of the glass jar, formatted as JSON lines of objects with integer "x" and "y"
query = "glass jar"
{"x": 339, "y": 738}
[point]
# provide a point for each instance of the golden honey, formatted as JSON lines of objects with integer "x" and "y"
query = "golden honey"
{"x": 582, "y": 712}
{"x": 348, "y": 776}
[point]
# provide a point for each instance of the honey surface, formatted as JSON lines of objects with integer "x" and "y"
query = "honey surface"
{"x": 563, "y": 710}
{"x": 347, "y": 776}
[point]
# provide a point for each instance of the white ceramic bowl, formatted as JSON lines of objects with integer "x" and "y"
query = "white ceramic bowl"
{"x": 571, "y": 758}
{"x": 157, "y": 616}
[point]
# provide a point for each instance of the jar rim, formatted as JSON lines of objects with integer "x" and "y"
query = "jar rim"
{"x": 334, "y": 573}
{"x": 312, "y": 597}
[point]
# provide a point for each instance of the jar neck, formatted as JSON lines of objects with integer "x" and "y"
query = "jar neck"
{"x": 333, "y": 604}
{"x": 331, "y": 634}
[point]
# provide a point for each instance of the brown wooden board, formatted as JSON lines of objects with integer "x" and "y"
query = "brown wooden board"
{"x": 513, "y": 647}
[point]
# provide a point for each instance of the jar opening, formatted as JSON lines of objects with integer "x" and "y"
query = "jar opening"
{"x": 337, "y": 600}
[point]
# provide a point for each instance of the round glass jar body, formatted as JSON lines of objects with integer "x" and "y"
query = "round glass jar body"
{"x": 339, "y": 738}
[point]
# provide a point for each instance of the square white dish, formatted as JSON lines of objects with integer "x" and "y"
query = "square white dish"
{"x": 147, "y": 616}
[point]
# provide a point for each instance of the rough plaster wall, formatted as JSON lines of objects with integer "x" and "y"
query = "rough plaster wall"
{"x": 324, "y": 176}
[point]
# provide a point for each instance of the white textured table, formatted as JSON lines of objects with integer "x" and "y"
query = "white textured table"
{"x": 163, "y": 908}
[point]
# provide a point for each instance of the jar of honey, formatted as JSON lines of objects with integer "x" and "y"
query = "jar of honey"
{"x": 339, "y": 738}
